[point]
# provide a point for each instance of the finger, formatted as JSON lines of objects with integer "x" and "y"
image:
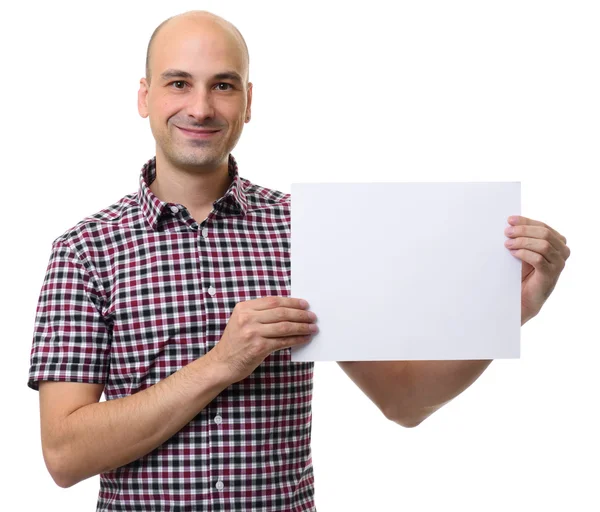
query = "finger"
{"x": 290, "y": 341}
{"x": 541, "y": 247}
{"x": 285, "y": 329}
{"x": 520, "y": 220}
{"x": 275, "y": 301}
{"x": 269, "y": 316}
{"x": 536, "y": 260}
{"x": 541, "y": 233}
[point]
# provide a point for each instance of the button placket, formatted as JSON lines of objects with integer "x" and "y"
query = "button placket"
{"x": 218, "y": 420}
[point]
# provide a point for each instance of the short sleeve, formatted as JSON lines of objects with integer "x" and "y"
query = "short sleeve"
{"x": 71, "y": 340}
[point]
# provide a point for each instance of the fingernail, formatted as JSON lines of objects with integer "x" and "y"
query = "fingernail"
{"x": 303, "y": 303}
{"x": 313, "y": 327}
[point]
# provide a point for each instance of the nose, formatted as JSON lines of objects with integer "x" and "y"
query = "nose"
{"x": 201, "y": 105}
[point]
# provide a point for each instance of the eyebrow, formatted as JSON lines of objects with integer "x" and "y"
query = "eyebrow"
{"x": 175, "y": 73}
{"x": 178, "y": 73}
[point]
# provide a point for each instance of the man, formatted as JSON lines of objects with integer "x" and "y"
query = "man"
{"x": 174, "y": 302}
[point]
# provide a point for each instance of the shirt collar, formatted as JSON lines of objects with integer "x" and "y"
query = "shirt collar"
{"x": 234, "y": 202}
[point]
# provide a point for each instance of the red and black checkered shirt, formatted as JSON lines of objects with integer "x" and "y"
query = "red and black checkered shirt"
{"x": 140, "y": 289}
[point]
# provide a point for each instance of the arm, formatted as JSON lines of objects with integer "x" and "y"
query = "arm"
{"x": 82, "y": 437}
{"x": 407, "y": 392}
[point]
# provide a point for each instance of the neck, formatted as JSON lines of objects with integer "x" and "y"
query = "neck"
{"x": 197, "y": 188}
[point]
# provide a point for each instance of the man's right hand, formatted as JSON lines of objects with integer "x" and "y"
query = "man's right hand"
{"x": 259, "y": 327}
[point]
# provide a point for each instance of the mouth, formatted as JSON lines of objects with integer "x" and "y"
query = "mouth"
{"x": 198, "y": 134}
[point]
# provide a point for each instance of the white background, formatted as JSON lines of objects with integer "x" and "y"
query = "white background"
{"x": 375, "y": 91}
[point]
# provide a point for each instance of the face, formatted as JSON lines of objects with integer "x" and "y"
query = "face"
{"x": 194, "y": 87}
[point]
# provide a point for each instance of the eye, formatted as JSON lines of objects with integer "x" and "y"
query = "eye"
{"x": 178, "y": 83}
{"x": 224, "y": 83}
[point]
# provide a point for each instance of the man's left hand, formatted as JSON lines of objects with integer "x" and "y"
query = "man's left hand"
{"x": 543, "y": 251}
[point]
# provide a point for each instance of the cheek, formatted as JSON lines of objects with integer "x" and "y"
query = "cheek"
{"x": 237, "y": 119}
{"x": 162, "y": 109}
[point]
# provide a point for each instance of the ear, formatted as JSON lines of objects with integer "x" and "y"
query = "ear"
{"x": 143, "y": 98}
{"x": 249, "y": 105}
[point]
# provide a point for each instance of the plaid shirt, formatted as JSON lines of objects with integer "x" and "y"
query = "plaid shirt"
{"x": 140, "y": 289}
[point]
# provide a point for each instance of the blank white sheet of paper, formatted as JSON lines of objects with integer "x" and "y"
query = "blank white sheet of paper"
{"x": 406, "y": 271}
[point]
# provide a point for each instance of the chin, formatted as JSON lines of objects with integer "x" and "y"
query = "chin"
{"x": 209, "y": 158}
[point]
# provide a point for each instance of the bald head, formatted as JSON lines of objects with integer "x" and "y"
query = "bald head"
{"x": 203, "y": 21}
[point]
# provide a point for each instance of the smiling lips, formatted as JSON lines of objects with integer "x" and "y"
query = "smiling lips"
{"x": 198, "y": 134}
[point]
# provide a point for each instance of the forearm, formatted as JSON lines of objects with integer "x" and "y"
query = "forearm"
{"x": 431, "y": 384}
{"x": 103, "y": 436}
{"x": 409, "y": 391}
{"x": 428, "y": 385}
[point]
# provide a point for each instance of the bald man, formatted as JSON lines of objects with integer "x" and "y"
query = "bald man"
{"x": 174, "y": 302}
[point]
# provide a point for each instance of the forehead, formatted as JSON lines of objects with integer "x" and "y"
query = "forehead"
{"x": 196, "y": 47}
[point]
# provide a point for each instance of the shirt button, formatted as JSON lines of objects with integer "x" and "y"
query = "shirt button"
{"x": 220, "y": 485}
{"x": 211, "y": 291}
{"x": 175, "y": 209}
{"x": 205, "y": 232}
{"x": 218, "y": 420}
